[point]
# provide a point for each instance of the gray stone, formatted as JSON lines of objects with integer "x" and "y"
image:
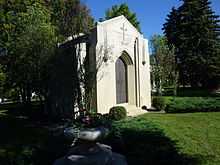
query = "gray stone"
{"x": 91, "y": 154}
{"x": 89, "y": 134}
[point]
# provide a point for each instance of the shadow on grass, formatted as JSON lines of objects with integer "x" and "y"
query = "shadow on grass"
{"x": 27, "y": 142}
{"x": 147, "y": 145}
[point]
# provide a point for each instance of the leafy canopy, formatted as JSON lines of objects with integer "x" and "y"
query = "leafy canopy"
{"x": 29, "y": 38}
{"x": 163, "y": 63}
{"x": 123, "y": 9}
{"x": 71, "y": 17}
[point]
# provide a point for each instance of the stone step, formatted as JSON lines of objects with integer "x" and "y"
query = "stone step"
{"x": 134, "y": 111}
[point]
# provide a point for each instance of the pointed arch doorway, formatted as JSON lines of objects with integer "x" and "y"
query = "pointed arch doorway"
{"x": 121, "y": 82}
{"x": 123, "y": 68}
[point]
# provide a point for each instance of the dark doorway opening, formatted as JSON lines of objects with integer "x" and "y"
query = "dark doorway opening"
{"x": 121, "y": 81}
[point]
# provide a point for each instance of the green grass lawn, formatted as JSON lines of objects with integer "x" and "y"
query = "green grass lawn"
{"x": 192, "y": 138}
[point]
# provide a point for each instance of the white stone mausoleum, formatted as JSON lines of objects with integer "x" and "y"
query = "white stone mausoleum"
{"x": 123, "y": 76}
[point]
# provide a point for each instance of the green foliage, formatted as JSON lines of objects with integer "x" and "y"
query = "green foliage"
{"x": 30, "y": 40}
{"x": 123, "y": 9}
{"x": 163, "y": 64}
{"x": 117, "y": 113}
{"x": 30, "y": 32}
{"x": 193, "y": 104}
{"x": 71, "y": 17}
{"x": 159, "y": 103}
{"x": 35, "y": 51}
{"x": 189, "y": 92}
{"x": 193, "y": 29}
{"x": 186, "y": 139}
{"x": 137, "y": 137}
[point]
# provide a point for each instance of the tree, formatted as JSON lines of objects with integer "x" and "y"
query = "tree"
{"x": 171, "y": 27}
{"x": 30, "y": 40}
{"x": 123, "y": 9}
{"x": 33, "y": 33}
{"x": 71, "y": 18}
{"x": 163, "y": 64}
{"x": 194, "y": 29}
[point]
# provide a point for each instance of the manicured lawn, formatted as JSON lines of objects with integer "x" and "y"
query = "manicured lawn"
{"x": 191, "y": 138}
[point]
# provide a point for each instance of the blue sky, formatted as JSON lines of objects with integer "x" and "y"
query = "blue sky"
{"x": 150, "y": 13}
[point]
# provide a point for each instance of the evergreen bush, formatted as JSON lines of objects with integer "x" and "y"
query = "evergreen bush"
{"x": 193, "y": 104}
{"x": 159, "y": 103}
{"x": 117, "y": 113}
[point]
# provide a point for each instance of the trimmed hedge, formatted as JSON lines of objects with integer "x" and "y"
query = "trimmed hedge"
{"x": 117, "y": 113}
{"x": 192, "y": 104}
{"x": 159, "y": 103}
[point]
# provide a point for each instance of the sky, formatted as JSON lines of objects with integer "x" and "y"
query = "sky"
{"x": 150, "y": 13}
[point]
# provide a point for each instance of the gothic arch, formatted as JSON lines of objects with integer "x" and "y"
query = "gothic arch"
{"x": 124, "y": 71}
{"x": 121, "y": 73}
{"x": 126, "y": 58}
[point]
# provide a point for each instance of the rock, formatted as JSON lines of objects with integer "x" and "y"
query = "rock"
{"x": 88, "y": 154}
{"x": 93, "y": 134}
{"x": 89, "y": 134}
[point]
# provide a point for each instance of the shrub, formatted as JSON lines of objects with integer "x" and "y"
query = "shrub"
{"x": 189, "y": 92}
{"x": 193, "y": 104}
{"x": 117, "y": 113}
{"x": 159, "y": 103}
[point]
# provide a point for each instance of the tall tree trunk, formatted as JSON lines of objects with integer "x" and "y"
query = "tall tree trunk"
{"x": 23, "y": 95}
{"x": 29, "y": 94}
{"x": 41, "y": 102}
{"x": 78, "y": 81}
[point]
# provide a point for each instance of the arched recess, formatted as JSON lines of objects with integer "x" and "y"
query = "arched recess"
{"x": 126, "y": 58}
{"x": 124, "y": 69}
{"x": 137, "y": 72}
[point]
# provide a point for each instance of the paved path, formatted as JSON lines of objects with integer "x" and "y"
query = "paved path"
{"x": 134, "y": 111}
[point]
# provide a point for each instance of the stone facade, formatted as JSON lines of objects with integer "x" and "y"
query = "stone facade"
{"x": 123, "y": 77}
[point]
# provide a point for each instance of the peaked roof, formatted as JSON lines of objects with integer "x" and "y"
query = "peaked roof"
{"x": 121, "y": 17}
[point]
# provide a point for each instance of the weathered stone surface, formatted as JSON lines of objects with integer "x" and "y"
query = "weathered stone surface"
{"x": 91, "y": 154}
{"x": 90, "y": 134}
